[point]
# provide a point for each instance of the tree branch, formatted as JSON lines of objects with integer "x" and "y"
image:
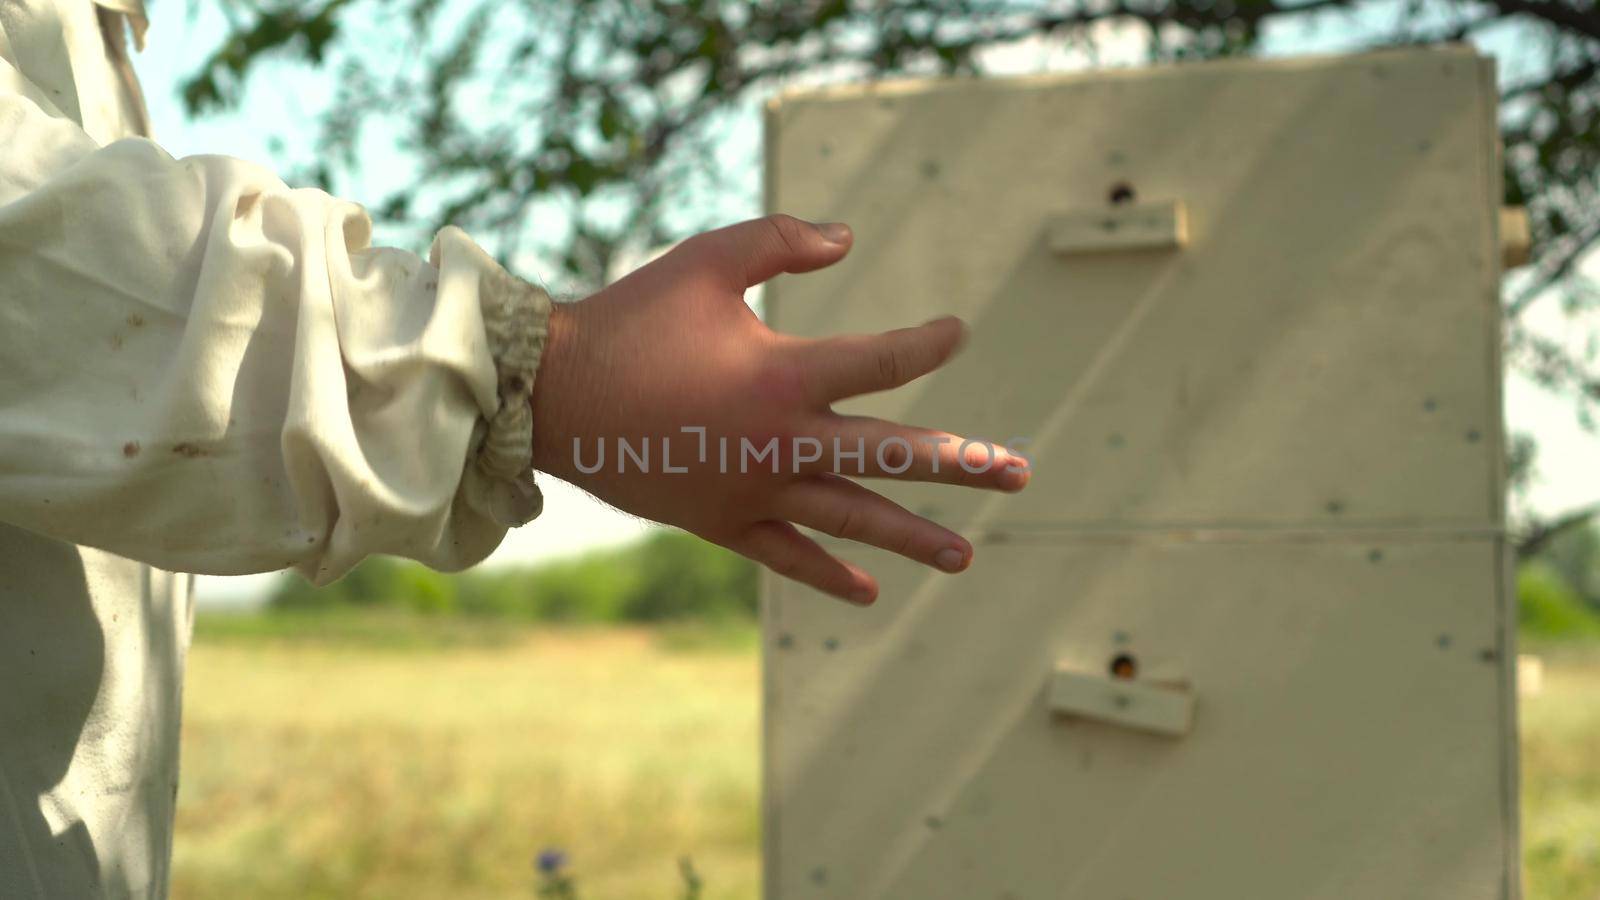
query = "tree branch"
{"x": 1568, "y": 80}
{"x": 1542, "y": 534}
{"x": 1558, "y": 14}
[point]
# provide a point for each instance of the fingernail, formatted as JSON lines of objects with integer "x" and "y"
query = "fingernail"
{"x": 835, "y": 232}
{"x": 863, "y": 596}
{"x": 950, "y": 560}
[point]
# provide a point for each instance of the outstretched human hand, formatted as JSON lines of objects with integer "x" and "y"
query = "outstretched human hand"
{"x": 671, "y": 359}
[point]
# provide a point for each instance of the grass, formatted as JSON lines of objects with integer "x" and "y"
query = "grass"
{"x": 353, "y": 629}
{"x": 355, "y": 756}
{"x": 388, "y": 767}
{"x": 1561, "y": 777}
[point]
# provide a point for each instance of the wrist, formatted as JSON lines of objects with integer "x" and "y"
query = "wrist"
{"x": 558, "y": 391}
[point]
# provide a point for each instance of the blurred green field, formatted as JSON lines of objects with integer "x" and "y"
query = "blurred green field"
{"x": 1561, "y": 776}
{"x": 369, "y": 764}
{"x": 398, "y": 758}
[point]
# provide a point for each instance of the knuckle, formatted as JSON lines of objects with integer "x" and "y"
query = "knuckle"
{"x": 693, "y": 242}
{"x": 784, "y": 566}
{"x": 848, "y": 523}
{"x": 706, "y": 244}
{"x": 785, "y": 231}
{"x": 902, "y": 545}
{"x": 977, "y": 465}
{"x": 890, "y": 365}
{"x": 950, "y": 470}
{"x": 896, "y": 456}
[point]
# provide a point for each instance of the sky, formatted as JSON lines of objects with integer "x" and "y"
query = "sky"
{"x": 1567, "y": 474}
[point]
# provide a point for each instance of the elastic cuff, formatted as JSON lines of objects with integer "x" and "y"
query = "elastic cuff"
{"x": 516, "y": 317}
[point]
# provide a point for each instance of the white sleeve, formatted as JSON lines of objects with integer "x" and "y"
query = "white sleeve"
{"x": 206, "y": 371}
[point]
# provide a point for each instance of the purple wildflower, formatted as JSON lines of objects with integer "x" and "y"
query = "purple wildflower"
{"x": 550, "y": 860}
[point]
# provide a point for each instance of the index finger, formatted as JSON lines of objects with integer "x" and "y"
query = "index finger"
{"x": 847, "y": 366}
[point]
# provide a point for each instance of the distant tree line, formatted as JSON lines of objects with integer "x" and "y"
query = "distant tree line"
{"x": 1559, "y": 589}
{"x": 668, "y": 576}
{"x": 672, "y": 576}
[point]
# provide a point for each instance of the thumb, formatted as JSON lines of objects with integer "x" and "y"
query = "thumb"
{"x": 754, "y": 251}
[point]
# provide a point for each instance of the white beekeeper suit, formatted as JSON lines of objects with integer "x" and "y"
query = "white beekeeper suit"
{"x": 202, "y": 371}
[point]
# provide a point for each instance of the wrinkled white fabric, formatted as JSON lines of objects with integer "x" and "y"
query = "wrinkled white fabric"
{"x": 204, "y": 371}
